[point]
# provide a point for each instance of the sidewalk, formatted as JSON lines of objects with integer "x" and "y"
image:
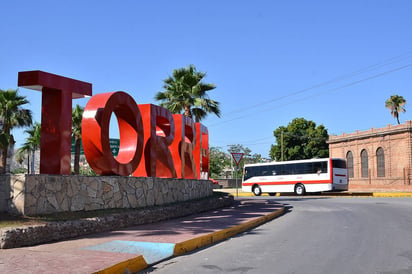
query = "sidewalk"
{"x": 135, "y": 248}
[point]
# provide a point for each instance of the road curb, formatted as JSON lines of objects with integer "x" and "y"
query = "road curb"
{"x": 130, "y": 266}
{"x": 195, "y": 243}
{"x": 393, "y": 194}
{"x": 139, "y": 263}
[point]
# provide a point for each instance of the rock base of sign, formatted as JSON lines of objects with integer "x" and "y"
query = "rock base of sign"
{"x": 33, "y": 195}
{"x": 60, "y": 230}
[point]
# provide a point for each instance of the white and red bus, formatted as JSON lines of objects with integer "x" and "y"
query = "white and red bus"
{"x": 300, "y": 176}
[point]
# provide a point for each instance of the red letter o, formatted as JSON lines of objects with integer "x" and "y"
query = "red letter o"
{"x": 95, "y": 133}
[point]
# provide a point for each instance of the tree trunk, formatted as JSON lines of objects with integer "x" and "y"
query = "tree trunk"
{"x": 10, "y": 155}
{"x": 28, "y": 163}
{"x": 77, "y": 155}
{"x": 188, "y": 112}
{"x": 33, "y": 171}
{"x": 3, "y": 160}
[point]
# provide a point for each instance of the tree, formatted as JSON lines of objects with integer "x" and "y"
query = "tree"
{"x": 254, "y": 158}
{"x": 30, "y": 146}
{"x": 77, "y": 115}
{"x": 396, "y": 104}
{"x": 218, "y": 161}
{"x": 301, "y": 139}
{"x": 185, "y": 92}
{"x": 12, "y": 115}
{"x": 246, "y": 159}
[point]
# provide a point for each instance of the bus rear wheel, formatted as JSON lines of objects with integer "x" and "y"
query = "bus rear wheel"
{"x": 300, "y": 189}
{"x": 257, "y": 190}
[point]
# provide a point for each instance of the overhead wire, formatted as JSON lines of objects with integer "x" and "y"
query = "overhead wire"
{"x": 317, "y": 94}
{"x": 369, "y": 68}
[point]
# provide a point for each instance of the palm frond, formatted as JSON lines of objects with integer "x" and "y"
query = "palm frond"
{"x": 185, "y": 90}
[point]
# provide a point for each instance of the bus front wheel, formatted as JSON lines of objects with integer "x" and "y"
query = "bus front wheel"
{"x": 257, "y": 190}
{"x": 300, "y": 189}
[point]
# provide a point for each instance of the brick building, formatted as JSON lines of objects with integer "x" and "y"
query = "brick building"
{"x": 378, "y": 159}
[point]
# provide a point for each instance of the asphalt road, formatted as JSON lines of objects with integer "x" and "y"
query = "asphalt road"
{"x": 317, "y": 235}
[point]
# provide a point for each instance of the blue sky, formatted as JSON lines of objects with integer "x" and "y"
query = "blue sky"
{"x": 333, "y": 62}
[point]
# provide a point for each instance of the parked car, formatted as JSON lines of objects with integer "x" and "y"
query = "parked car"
{"x": 214, "y": 181}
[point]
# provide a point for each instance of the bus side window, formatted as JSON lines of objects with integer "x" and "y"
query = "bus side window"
{"x": 272, "y": 170}
{"x": 260, "y": 171}
{"x": 300, "y": 168}
{"x": 285, "y": 170}
{"x": 268, "y": 170}
{"x": 325, "y": 167}
{"x": 249, "y": 173}
{"x": 308, "y": 168}
{"x": 288, "y": 169}
{"x": 320, "y": 167}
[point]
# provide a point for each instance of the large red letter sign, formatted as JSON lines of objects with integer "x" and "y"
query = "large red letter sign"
{"x": 183, "y": 147}
{"x": 159, "y": 130}
{"x": 201, "y": 152}
{"x": 172, "y": 145}
{"x": 95, "y": 133}
{"x": 56, "y": 116}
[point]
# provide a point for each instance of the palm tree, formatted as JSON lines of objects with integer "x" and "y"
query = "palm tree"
{"x": 3, "y": 143}
{"x": 30, "y": 146}
{"x": 396, "y": 104}
{"x": 12, "y": 116}
{"x": 185, "y": 92}
{"x": 77, "y": 115}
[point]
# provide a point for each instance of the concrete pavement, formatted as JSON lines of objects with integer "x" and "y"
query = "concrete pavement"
{"x": 135, "y": 248}
{"x": 357, "y": 193}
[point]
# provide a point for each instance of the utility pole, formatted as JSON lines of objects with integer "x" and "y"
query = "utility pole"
{"x": 281, "y": 146}
{"x": 231, "y": 166}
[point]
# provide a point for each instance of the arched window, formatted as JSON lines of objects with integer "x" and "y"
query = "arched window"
{"x": 349, "y": 160}
{"x": 364, "y": 164}
{"x": 380, "y": 157}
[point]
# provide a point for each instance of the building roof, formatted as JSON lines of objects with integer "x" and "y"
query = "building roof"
{"x": 373, "y": 132}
